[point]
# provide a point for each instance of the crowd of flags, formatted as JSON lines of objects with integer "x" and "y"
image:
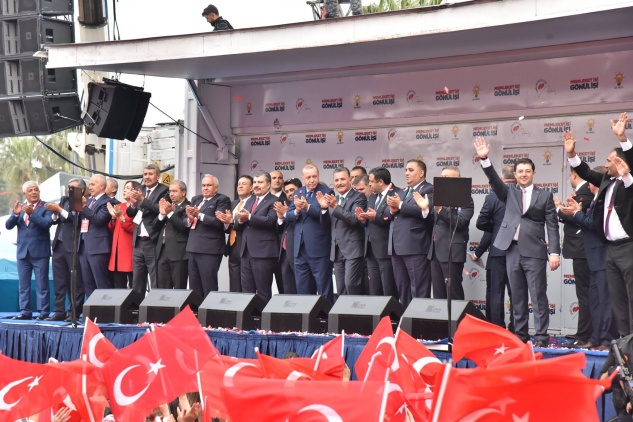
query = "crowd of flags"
{"x": 398, "y": 379}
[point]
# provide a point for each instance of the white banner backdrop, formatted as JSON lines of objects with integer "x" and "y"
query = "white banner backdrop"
{"x": 368, "y": 101}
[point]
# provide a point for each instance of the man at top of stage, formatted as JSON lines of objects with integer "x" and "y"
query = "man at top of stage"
{"x": 530, "y": 212}
{"x": 313, "y": 236}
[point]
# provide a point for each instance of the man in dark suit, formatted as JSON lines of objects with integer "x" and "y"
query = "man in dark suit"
{"x": 63, "y": 247}
{"x": 206, "y": 243}
{"x": 489, "y": 221}
{"x": 144, "y": 210}
{"x": 277, "y": 189}
{"x": 95, "y": 241}
{"x": 377, "y": 219}
{"x": 604, "y": 328}
{"x": 529, "y": 212}
{"x": 234, "y": 241}
{"x": 33, "y": 221}
{"x": 112, "y": 187}
{"x": 438, "y": 252}
{"x": 348, "y": 234}
{"x": 260, "y": 239}
{"x": 171, "y": 247}
{"x": 613, "y": 218}
{"x": 313, "y": 236}
{"x": 287, "y": 238}
{"x": 410, "y": 234}
{"x": 573, "y": 248}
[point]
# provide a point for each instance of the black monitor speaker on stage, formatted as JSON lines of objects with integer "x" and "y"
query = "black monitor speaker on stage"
{"x": 116, "y": 110}
{"x": 426, "y": 318}
{"x": 361, "y": 314}
{"x": 161, "y": 305}
{"x": 232, "y": 310}
{"x": 301, "y": 313}
{"x": 113, "y": 305}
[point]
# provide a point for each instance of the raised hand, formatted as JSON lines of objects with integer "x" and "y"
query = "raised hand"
{"x": 370, "y": 214}
{"x": 17, "y": 208}
{"x": 622, "y": 166}
{"x": 324, "y": 201}
{"x": 53, "y": 207}
{"x": 570, "y": 143}
{"x": 242, "y": 216}
{"x": 360, "y": 214}
{"x": 393, "y": 202}
{"x": 28, "y": 209}
{"x": 281, "y": 209}
{"x": 619, "y": 127}
{"x": 482, "y": 148}
{"x": 557, "y": 202}
{"x": 62, "y": 415}
{"x": 422, "y": 201}
{"x": 224, "y": 217}
{"x": 111, "y": 209}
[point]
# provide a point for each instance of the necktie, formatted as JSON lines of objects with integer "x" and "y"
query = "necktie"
{"x": 378, "y": 199}
{"x": 341, "y": 200}
{"x": 309, "y": 195}
{"x": 92, "y": 201}
{"x": 524, "y": 198}
{"x": 148, "y": 192}
{"x": 409, "y": 193}
{"x": 26, "y": 219}
{"x": 233, "y": 233}
{"x": 204, "y": 201}
{"x": 255, "y": 204}
{"x": 616, "y": 182}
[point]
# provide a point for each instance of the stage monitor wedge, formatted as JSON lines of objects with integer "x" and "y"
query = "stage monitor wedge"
{"x": 113, "y": 305}
{"x": 361, "y": 314}
{"x": 300, "y": 313}
{"x": 232, "y": 310}
{"x": 161, "y": 305}
{"x": 426, "y": 318}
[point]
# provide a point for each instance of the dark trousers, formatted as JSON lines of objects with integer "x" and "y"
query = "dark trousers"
{"x": 257, "y": 275}
{"x": 171, "y": 274}
{"x": 439, "y": 273}
{"x": 313, "y": 275}
{"x": 349, "y": 274}
{"x": 620, "y": 282}
{"x": 581, "y": 274}
{"x": 604, "y": 328}
{"x": 527, "y": 275}
{"x": 496, "y": 282}
{"x": 413, "y": 276}
{"x": 380, "y": 271}
{"x": 203, "y": 272}
{"x": 235, "y": 273}
{"x": 62, "y": 264}
{"x": 121, "y": 279}
{"x": 94, "y": 271}
{"x": 144, "y": 264}
{"x": 288, "y": 273}
{"x": 26, "y": 267}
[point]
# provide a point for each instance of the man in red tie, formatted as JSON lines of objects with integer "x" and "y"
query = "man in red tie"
{"x": 34, "y": 249}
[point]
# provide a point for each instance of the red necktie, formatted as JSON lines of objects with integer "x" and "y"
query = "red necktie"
{"x": 610, "y": 207}
{"x": 255, "y": 204}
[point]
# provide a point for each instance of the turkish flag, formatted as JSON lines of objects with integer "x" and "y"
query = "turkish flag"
{"x": 290, "y": 369}
{"x": 156, "y": 368}
{"x": 224, "y": 371}
{"x": 423, "y": 361}
{"x": 551, "y": 389}
{"x": 24, "y": 389}
{"x": 483, "y": 343}
{"x": 334, "y": 348}
{"x": 186, "y": 327}
{"x": 95, "y": 346}
{"x": 296, "y": 401}
{"x": 379, "y": 354}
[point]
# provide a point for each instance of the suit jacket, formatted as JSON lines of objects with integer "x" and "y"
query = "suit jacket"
{"x": 121, "y": 256}
{"x": 208, "y": 235}
{"x": 238, "y": 234}
{"x": 378, "y": 229}
{"x": 259, "y": 234}
{"x": 541, "y": 213}
{"x": 347, "y": 232}
{"x": 97, "y": 239}
{"x": 64, "y": 230}
{"x": 490, "y": 219}
{"x": 573, "y": 237}
{"x": 410, "y": 233}
{"x": 176, "y": 234}
{"x": 484, "y": 244}
{"x": 150, "y": 209}
{"x": 312, "y": 227}
{"x": 34, "y": 240}
{"x": 442, "y": 233}
{"x": 595, "y": 248}
{"x": 623, "y": 204}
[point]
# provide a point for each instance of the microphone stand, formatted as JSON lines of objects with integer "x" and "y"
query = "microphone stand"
{"x": 73, "y": 272}
{"x": 448, "y": 278}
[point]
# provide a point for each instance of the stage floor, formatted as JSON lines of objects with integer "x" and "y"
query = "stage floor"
{"x": 36, "y": 341}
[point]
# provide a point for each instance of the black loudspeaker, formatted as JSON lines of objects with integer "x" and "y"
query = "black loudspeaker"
{"x": 116, "y": 110}
{"x": 296, "y": 313}
{"x": 161, "y": 305}
{"x": 361, "y": 314}
{"x": 112, "y": 305}
{"x": 36, "y": 79}
{"x": 427, "y": 318}
{"x": 39, "y": 115}
{"x": 231, "y": 310}
{"x": 31, "y": 7}
{"x": 25, "y": 35}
